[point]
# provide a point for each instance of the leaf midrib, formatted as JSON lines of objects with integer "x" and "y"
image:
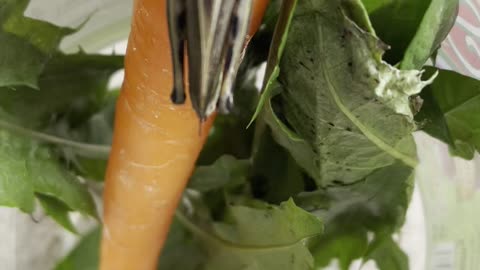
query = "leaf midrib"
{"x": 94, "y": 149}
{"x": 372, "y": 137}
{"x": 214, "y": 239}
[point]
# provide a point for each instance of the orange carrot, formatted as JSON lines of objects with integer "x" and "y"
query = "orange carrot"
{"x": 155, "y": 146}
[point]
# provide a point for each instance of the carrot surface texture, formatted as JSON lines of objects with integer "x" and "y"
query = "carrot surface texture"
{"x": 155, "y": 145}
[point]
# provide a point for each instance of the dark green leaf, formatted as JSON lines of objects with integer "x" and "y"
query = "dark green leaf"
{"x": 346, "y": 247}
{"x": 226, "y": 171}
{"x": 19, "y": 67}
{"x": 276, "y": 177}
{"x": 27, "y": 44}
{"x": 85, "y": 256}
{"x": 376, "y": 205}
{"x": 228, "y": 136}
{"x": 387, "y": 254}
{"x": 413, "y": 29}
{"x": 396, "y": 23}
{"x": 181, "y": 250}
{"x": 431, "y": 118}
{"x": 71, "y": 86}
{"x": 355, "y": 10}
{"x": 97, "y": 130}
{"x": 454, "y": 100}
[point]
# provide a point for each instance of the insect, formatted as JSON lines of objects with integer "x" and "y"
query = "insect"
{"x": 213, "y": 32}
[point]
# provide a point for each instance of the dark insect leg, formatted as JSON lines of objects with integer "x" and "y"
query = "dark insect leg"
{"x": 176, "y": 26}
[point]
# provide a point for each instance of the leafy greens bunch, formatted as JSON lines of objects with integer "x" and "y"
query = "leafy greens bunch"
{"x": 325, "y": 170}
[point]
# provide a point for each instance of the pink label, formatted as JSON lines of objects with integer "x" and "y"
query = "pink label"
{"x": 461, "y": 50}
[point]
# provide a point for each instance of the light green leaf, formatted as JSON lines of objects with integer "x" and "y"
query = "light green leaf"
{"x": 85, "y": 256}
{"x": 455, "y": 100}
{"x": 16, "y": 189}
{"x": 29, "y": 167}
{"x": 50, "y": 178}
{"x": 346, "y": 112}
{"x": 277, "y": 241}
{"x": 57, "y": 210}
{"x": 437, "y": 22}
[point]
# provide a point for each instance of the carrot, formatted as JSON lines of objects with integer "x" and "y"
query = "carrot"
{"x": 155, "y": 146}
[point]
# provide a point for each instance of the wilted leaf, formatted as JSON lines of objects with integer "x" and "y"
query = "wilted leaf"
{"x": 346, "y": 112}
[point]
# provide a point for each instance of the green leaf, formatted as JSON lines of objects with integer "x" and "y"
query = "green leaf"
{"x": 431, "y": 118}
{"x": 96, "y": 131}
{"x": 85, "y": 256}
{"x": 346, "y": 247}
{"x": 27, "y": 44}
{"x": 341, "y": 112}
{"x": 419, "y": 27}
{"x": 28, "y": 168}
{"x": 278, "y": 239}
{"x": 72, "y": 108}
{"x": 437, "y": 22}
{"x": 57, "y": 210}
{"x": 16, "y": 189}
{"x": 376, "y": 205}
{"x": 396, "y": 23}
{"x": 226, "y": 171}
{"x": 181, "y": 250}
{"x": 50, "y": 178}
{"x": 276, "y": 176}
{"x": 387, "y": 254}
{"x": 355, "y": 10}
{"x": 20, "y": 66}
{"x": 48, "y": 102}
{"x": 276, "y": 50}
{"x": 451, "y": 112}
{"x": 71, "y": 86}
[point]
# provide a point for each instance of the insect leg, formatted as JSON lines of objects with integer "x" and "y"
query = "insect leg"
{"x": 238, "y": 30}
{"x": 176, "y": 26}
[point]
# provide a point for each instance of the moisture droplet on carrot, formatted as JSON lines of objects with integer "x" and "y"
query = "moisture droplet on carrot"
{"x": 155, "y": 146}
